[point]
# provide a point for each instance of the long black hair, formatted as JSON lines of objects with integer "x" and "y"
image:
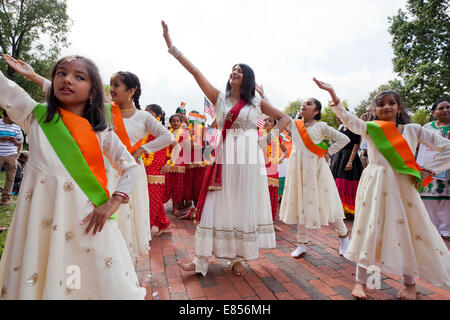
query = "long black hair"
{"x": 94, "y": 111}
{"x": 158, "y": 112}
{"x": 248, "y": 83}
{"x": 402, "y": 117}
{"x": 131, "y": 81}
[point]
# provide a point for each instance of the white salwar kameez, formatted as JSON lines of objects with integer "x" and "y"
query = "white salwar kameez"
{"x": 392, "y": 227}
{"x": 134, "y": 218}
{"x": 47, "y": 254}
{"x": 237, "y": 220}
{"x": 310, "y": 196}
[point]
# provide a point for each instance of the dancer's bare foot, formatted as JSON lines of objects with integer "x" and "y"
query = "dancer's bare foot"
{"x": 160, "y": 232}
{"x": 187, "y": 215}
{"x": 239, "y": 269}
{"x": 179, "y": 212}
{"x": 359, "y": 291}
{"x": 277, "y": 228}
{"x": 409, "y": 292}
{"x": 187, "y": 266}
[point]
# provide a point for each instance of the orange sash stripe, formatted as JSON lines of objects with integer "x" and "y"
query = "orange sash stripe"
{"x": 401, "y": 146}
{"x": 307, "y": 140}
{"x": 86, "y": 139}
{"x": 399, "y": 143}
{"x": 119, "y": 129}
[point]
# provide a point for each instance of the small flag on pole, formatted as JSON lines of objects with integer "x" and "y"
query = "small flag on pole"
{"x": 183, "y": 106}
{"x": 209, "y": 108}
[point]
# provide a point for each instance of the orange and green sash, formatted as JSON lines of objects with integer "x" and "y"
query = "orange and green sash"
{"x": 76, "y": 145}
{"x": 119, "y": 128}
{"x": 395, "y": 150}
{"x": 318, "y": 149}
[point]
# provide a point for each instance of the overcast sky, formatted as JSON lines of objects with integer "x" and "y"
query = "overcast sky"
{"x": 286, "y": 43}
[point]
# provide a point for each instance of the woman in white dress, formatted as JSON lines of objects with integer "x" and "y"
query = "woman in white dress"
{"x": 310, "y": 197}
{"x": 436, "y": 195}
{"x": 133, "y": 217}
{"x": 237, "y": 220}
{"x": 392, "y": 229}
{"x": 49, "y": 252}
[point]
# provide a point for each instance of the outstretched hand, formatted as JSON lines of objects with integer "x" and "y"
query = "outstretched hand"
{"x": 20, "y": 66}
{"x": 260, "y": 90}
{"x": 323, "y": 85}
{"x": 166, "y": 34}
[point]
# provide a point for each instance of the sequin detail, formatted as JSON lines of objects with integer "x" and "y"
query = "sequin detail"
{"x": 29, "y": 195}
{"x": 68, "y": 186}
{"x": 109, "y": 262}
{"x": 33, "y": 279}
{"x": 46, "y": 223}
{"x": 69, "y": 236}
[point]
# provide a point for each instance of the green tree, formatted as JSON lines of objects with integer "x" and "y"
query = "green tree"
{"x": 421, "y": 42}
{"x": 33, "y": 31}
{"x": 392, "y": 85}
{"x": 293, "y": 109}
{"x": 421, "y": 116}
{"x": 329, "y": 117}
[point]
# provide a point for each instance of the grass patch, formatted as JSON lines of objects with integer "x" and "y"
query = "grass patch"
{"x": 6, "y": 214}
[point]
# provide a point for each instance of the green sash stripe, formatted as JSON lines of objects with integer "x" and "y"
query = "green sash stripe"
{"x": 70, "y": 155}
{"x": 323, "y": 145}
{"x": 388, "y": 151}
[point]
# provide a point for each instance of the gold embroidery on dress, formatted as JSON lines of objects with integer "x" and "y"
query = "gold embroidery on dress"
{"x": 33, "y": 279}
{"x": 29, "y": 194}
{"x": 68, "y": 186}
{"x": 69, "y": 291}
{"x": 46, "y": 223}
{"x": 55, "y": 227}
{"x": 69, "y": 236}
{"x": 43, "y": 180}
{"x": 4, "y": 292}
{"x": 109, "y": 262}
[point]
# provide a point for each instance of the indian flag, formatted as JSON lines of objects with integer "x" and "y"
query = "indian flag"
{"x": 196, "y": 118}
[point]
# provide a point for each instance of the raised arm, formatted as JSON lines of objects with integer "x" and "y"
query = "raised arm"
{"x": 282, "y": 119}
{"x": 210, "y": 92}
{"x": 352, "y": 122}
{"x": 24, "y": 69}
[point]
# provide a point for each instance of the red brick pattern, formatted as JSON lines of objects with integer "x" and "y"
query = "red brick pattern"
{"x": 320, "y": 274}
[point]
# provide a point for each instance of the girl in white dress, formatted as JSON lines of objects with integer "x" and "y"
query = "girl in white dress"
{"x": 236, "y": 219}
{"x": 310, "y": 197}
{"x": 392, "y": 228}
{"x": 49, "y": 252}
{"x": 131, "y": 125}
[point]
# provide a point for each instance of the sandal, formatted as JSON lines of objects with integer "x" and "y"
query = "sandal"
{"x": 239, "y": 273}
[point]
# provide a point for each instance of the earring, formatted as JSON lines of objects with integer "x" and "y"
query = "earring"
{"x": 90, "y": 101}
{"x": 129, "y": 97}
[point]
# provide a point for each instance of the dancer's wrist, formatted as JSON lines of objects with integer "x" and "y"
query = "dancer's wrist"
{"x": 174, "y": 51}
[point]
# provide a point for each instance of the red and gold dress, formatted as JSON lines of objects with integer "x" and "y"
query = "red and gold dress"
{"x": 271, "y": 160}
{"x": 156, "y": 185}
{"x": 174, "y": 184}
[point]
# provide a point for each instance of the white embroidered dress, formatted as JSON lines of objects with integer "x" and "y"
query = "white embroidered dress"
{"x": 310, "y": 195}
{"x": 134, "y": 218}
{"x": 392, "y": 227}
{"x": 46, "y": 248}
{"x": 237, "y": 220}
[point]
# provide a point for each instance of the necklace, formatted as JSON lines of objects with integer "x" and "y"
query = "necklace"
{"x": 126, "y": 110}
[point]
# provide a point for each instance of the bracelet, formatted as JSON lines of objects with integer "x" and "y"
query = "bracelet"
{"x": 174, "y": 51}
{"x": 123, "y": 195}
{"x": 32, "y": 76}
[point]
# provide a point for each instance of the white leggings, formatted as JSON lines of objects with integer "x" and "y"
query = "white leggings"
{"x": 339, "y": 227}
{"x": 361, "y": 276}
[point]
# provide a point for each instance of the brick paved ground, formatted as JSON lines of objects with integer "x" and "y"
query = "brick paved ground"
{"x": 321, "y": 274}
